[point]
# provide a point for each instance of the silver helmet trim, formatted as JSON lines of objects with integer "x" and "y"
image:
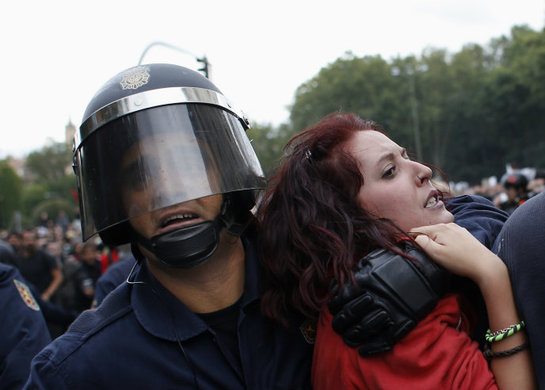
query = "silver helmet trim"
{"x": 154, "y": 98}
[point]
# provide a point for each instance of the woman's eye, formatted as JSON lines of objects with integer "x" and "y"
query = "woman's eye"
{"x": 389, "y": 172}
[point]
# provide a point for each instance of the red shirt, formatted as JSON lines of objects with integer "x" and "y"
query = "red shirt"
{"x": 438, "y": 354}
{"x": 107, "y": 259}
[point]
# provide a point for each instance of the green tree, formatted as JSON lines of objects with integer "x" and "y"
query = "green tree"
{"x": 269, "y": 142}
{"x": 33, "y": 194}
{"x": 469, "y": 112}
{"x": 53, "y": 181}
{"x": 516, "y": 96}
{"x": 471, "y": 131}
{"x": 11, "y": 188}
{"x": 363, "y": 86}
{"x": 51, "y": 162}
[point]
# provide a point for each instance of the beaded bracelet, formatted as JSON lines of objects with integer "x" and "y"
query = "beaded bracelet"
{"x": 503, "y": 333}
{"x": 489, "y": 354}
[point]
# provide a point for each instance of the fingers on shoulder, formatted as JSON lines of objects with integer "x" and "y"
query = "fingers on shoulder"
{"x": 432, "y": 230}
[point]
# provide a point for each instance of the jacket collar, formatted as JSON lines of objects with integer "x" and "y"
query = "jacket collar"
{"x": 166, "y": 317}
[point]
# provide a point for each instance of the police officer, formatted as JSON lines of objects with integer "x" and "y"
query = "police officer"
{"x": 7, "y": 253}
{"x": 163, "y": 162}
{"x": 23, "y": 328}
{"x": 521, "y": 245}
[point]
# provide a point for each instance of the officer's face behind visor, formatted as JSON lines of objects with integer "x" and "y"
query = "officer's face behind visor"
{"x": 151, "y": 164}
{"x": 161, "y": 169}
{"x": 161, "y": 157}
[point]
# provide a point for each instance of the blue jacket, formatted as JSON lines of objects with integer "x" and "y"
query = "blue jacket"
{"x": 115, "y": 275}
{"x": 484, "y": 221}
{"x": 23, "y": 331}
{"x": 479, "y": 216}
{"x": 142, "y": 337}
{"x": 521, "y": 245}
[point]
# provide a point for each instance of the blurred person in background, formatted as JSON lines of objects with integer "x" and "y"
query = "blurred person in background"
{"x": 15, "y": 239}
{"x": 86, "y": 275}
{"x": 537, "y": 184}
{"x": 37, "y": 266}
{"x": 7, "y": 253}
{"x": 67, "y": 290}
{"x": 109, "y": 255}
{"x": 516, "y": 189}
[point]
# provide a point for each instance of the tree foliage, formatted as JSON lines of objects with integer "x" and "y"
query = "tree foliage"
{"x": 268, "y": 143}
{"x": 469, "y": 113}
{"x": 51, "y": 162}
{"x": 51, "y": 182}
{"x": 11, "y": 188}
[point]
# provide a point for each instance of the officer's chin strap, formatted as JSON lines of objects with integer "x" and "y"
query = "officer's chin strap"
{"x": 185, "y": 247}
{"x": 192, "y": 245}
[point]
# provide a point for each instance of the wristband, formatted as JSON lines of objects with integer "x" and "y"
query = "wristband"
{"x": 489, "y": 354}
{"x": 503, "y": 333}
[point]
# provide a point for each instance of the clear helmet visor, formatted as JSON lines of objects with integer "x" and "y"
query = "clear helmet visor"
{"x": 160, "y": 157}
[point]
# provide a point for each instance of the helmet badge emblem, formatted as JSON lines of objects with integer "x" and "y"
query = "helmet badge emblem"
{"x": 135, "y": 78}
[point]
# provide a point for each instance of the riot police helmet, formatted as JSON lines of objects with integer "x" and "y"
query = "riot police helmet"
{"x": 169, "y": 131}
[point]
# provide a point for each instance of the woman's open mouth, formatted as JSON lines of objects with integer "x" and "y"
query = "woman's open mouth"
{"x": 434, "y": 200}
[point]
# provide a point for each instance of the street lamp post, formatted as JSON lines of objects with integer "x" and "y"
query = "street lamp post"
{"x": 205, "y": 67}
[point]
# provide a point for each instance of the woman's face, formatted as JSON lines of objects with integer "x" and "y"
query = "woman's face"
{"x": 394, "y": 186}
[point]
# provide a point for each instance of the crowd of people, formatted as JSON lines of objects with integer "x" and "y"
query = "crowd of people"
{"x": 350, "y": 268}
{"x": 63, "y": 269}
{"x": 513, "y": 189}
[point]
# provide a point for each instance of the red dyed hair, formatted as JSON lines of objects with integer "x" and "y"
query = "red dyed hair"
{"x": 311, "y": 225}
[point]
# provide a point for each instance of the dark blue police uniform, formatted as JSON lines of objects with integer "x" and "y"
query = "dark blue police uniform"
{"x": 479, "y": 216}
{"x": 521, "y": 245}
{"x": 484, "y": 221}
{"x": 142, "y": 337}
{"x": 115, "y": 275}
{"x": 23, "y": 331}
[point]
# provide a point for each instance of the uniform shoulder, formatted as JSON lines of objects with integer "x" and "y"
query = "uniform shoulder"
{"x": 462, "y": 200}
{"x": 71, "y": 359}
{"x": 8, "y": 272}
{"x": 114, "y": 307}
{"x": 90, "y": 323}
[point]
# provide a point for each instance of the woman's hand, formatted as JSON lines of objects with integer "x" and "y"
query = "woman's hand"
{"x": 457, "y": 250}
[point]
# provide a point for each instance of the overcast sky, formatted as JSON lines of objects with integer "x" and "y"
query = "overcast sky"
{"x": 57, "y": 54}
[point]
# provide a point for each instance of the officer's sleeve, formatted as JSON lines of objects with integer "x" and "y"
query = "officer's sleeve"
{"x": 44, "y": 375}
{"x": 23, "y": 329}
{"x": 113, "y": 277}
{"x": 484, "y": 221}
{"x": 103, "y": 287}
{"x": 479, "y": 216}
{"x": 521, "y": 246}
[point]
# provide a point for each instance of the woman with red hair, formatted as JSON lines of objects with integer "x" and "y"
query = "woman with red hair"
{"x": 344, "y": 191}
